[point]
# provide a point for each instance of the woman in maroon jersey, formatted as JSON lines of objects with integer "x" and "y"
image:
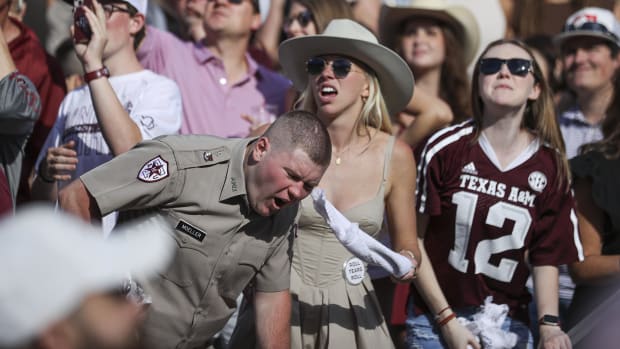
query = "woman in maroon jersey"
{"x": 494, "y": 201}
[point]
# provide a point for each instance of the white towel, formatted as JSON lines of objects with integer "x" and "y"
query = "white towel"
{"x": 487, "y": 325}
{"x": 357, "y": 241}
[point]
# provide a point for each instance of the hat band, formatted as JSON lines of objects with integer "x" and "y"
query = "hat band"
{"x": 591, "y": 26}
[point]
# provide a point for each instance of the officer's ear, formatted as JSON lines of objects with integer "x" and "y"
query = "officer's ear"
{"x": 261, "y": 148}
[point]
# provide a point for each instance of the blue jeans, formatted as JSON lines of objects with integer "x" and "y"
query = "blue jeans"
{"x": 423, "y": 334}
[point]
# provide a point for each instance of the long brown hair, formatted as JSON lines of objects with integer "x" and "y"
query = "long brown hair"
{"x": 323, "y": 11}
{"x": 538, "y": 117}
{"x": 453, "y": 81}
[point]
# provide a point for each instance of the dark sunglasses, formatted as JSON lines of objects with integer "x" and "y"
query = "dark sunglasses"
{"x": 303, "y": 18}
{"x": 340, "y": 66}
{"x": 592, "y": 26}
{"x": 516, "y": 66}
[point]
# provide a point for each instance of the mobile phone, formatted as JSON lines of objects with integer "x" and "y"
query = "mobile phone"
{"x": 81, "y": 29}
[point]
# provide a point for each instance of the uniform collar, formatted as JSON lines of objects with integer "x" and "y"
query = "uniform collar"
{"x": 234, "y": 184}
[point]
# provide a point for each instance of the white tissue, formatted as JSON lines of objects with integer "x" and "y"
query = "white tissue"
{"x": 487, "y": 325}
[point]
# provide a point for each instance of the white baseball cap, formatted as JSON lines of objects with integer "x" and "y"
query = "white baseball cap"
{"x": 140, "y": 5}
{"x": 50, "y": 261}
{"x": 591, "y": 21}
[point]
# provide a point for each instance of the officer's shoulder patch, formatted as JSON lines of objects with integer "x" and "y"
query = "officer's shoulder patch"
{"x": 154, "y": 170}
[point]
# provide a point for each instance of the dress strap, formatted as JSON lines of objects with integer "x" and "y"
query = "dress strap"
{"x": 388, "y": 157}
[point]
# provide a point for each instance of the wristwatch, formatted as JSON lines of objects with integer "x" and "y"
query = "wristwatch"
{"x": 99, "y": 73}
{"x": 549, "y": 320}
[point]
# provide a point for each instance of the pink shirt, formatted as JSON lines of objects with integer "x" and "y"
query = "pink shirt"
{"x": 210, "y": 105}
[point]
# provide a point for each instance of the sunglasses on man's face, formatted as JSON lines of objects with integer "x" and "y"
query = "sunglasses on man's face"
{"x": 516, "y": 66}
{"x": 340, "y": 66}
{"x": 303, "y": 18}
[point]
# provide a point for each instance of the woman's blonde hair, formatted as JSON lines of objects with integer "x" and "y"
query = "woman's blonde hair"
{"x": 374, "y": 113}
{"x": 539, "y": 116}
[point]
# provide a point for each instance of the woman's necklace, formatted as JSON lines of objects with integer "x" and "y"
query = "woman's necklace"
{"x": 339, "y": 154}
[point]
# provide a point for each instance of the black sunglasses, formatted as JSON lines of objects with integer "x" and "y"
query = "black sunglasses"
{"x": 340, "y": 66}
{"x": 516, "y": 66}
{"x": 303, "y": 18}
{"x": 592, "y": 26}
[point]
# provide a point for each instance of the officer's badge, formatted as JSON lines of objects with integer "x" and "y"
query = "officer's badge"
{"x": 154, "y": 170}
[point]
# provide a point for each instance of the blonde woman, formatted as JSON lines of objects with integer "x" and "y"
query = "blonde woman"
{"x": 352, "y": 83}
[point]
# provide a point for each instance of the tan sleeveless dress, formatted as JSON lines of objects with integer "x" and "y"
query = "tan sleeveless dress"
{"x": 328, "y": 312}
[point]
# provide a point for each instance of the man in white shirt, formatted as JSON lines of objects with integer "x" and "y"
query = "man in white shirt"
{"x": 121, "y": 104}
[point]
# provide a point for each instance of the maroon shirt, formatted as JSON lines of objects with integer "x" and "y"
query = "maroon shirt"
{"x": 483, "y": 222}
{"x": 6, "y": 203}
{"x": 45, "y": 73}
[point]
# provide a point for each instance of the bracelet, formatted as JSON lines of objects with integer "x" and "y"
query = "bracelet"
{"x": 45, "y": 179}
{"x": 440, "y": 312}
{"x": 96, "y": 74}
{"x": 446, "y": 320}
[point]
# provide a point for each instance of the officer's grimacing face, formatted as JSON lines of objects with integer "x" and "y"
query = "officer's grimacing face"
{"x": 281, "y": 178}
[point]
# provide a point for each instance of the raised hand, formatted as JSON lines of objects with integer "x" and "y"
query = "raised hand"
{"x": 91, "y": 53}
{"x": 59, "y": 162}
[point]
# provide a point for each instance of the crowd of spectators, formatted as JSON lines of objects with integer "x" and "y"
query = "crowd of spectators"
{"x": 153, "y": 68}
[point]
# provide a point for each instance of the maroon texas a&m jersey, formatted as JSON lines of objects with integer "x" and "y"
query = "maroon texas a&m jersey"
{"x": 484, "y": 221}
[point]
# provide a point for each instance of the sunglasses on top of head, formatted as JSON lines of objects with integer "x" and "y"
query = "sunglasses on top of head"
{"x": 516, "y": 66}
{"x": 303, "y": 18}
{"x": 340, "y": 66}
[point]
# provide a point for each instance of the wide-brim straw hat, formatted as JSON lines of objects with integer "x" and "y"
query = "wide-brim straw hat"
{"x": 344, "y": 37}
{"x": 458, "y": 17}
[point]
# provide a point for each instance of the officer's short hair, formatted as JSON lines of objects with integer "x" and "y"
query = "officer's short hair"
{"x": 300, "y": 129}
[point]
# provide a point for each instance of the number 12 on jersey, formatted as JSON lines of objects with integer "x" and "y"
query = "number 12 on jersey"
{"x": 498, "y": 213}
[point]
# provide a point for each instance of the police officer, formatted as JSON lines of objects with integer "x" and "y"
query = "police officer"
{"x": 233, "y": 204}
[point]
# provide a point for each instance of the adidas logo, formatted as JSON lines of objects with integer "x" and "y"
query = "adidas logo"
{"x": 470, "y": 168}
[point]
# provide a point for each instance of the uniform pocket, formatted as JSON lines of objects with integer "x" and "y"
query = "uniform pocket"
{"x": 189, "y": 265}
{"x": 248, "y": 265}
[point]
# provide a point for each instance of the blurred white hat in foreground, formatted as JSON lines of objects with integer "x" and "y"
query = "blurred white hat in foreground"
{"x": 50, "y": 261}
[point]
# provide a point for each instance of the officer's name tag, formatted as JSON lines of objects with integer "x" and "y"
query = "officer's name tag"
{"x": 354, "y": 270}
{"x": 191, "y": 231}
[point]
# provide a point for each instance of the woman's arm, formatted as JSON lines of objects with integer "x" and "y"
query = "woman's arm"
{"x": 268, "y": 35}
{"x": 400, "y": 201}
{"x": 455, "y": 335}
{"x": 595, "y": 268}
{"x": 546, "y": 292}
{"x": 431, "y": 114}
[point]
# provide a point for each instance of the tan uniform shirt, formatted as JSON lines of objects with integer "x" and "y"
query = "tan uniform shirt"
{"x": 198, "y": 183}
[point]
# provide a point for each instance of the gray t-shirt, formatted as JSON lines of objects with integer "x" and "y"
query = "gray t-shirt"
{"x": 20, "y": 107}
